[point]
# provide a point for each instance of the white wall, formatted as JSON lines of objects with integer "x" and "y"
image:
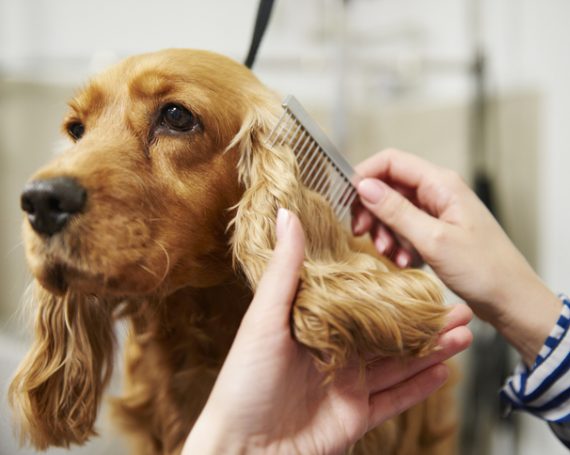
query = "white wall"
{"x": 548, "y": 61}
{"x": 529, "y": 42}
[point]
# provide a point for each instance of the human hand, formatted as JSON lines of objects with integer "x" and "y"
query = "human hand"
{"x": 433, "y": 210}
{"x": 270, "y": 398}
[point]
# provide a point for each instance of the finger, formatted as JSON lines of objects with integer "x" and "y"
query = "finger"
{"x": 389, "y": 403}
{"x": 362, "y": 219}
{"x": 409, "y": 193}
{"x": 386, "y": 373}
{"x": 395, "y": 211}
{"x": 397, "y": 167}
{"x": 403, "y": 258}
{"x": 459, "y": 315}
{"x": 415, "y": 258}
{"x": 383, "y": 239}
{"x": 278, "y": 285}
{"x": 395, "y": 247}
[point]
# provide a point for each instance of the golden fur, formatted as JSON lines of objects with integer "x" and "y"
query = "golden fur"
{"x": 176, "y": 233}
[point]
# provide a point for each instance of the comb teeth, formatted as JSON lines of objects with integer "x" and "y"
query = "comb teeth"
{"x": 322, "y": 168}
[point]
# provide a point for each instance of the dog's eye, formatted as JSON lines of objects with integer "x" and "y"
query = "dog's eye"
{"x": 76, "y": 130}
{"x": 177, "y": 117}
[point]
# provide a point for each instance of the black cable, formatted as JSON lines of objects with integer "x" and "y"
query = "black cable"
{"x": 263, "y": 15}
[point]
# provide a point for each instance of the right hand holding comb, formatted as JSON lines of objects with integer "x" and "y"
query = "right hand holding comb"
{"x": 409, "y": 205}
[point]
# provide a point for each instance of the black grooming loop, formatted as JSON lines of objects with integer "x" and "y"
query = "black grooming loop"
{"x": 263, "y": 14}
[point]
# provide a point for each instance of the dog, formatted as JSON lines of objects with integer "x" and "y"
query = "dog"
{"x": 162, "y": 212}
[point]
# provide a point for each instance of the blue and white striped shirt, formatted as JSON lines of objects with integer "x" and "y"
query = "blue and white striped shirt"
{"x": 544, "y": 389}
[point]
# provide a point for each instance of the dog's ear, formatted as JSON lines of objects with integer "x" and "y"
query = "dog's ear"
{"x": 57, "y": 389}
{"x": 349, "y": 302}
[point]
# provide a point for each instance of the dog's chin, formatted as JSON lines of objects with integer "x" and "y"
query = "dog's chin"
{"x": 54, "y": 279}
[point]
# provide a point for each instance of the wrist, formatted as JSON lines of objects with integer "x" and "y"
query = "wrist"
{"x": 526, "y": 315}
{"x": 209, "y": 436}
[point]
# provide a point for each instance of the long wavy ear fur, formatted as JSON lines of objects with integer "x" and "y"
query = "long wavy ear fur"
{"x": 57, "y": 389}
{"x": 348, "y": 302}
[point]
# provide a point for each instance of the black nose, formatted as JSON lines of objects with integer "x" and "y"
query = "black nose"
{"x": 51, "y": 203}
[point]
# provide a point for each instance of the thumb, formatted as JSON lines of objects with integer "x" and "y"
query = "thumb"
{"x": 396, "y": 212}
{"x": 278, "y": 285}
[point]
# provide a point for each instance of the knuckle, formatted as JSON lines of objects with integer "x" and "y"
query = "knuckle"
{"x": 391, "y": 152}
{"x": 436, "y": 240}
{"x": 453, "y": 179}
{"x": 393, "y": 208}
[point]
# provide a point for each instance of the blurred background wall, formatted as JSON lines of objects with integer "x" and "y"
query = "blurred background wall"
{"x": 376, "y": 73}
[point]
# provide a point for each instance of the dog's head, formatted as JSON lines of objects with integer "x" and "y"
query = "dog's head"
{"x": 139, "y": 203}
{"x": 168, "y": 178}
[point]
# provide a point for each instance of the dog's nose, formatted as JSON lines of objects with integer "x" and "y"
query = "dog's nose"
{"x": 51, "y": 203}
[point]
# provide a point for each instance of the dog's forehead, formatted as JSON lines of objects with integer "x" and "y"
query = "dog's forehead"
{"x": 160, "y": 74}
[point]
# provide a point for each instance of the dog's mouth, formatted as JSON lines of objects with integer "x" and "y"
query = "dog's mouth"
{"x": 94, "y": 260}
{"x": 59, "y": 277}
{"x": 50, "y": 264}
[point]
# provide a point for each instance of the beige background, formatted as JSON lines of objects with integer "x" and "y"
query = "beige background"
{"x": 383, "y": 73}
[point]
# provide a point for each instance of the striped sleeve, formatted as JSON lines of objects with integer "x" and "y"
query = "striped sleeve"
{"x": 544, "y": 389}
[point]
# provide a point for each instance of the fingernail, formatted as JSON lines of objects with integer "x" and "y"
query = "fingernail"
{"x": 381, "y": 245}
{"x": 282, "y": 224}
{"x": 371, "y": 190}
{"x": 403, "y": 260}
{"x": 357, "y": 225}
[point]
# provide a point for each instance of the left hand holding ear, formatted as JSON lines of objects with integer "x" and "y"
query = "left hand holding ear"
{"x": 269, "y": 397}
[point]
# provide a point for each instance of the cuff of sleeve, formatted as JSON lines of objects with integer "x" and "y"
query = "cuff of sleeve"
{"x": 544, "y": 389}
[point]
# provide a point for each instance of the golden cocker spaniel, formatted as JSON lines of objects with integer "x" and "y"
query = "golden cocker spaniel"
{"x": 162, "y": 211}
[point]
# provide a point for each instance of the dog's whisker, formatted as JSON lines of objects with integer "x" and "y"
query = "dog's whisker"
{"x": 149, "y": 270}
{"x": 160, "y": 277}
{"x": 14, "y": 248}
{"x": 167, "y": 265}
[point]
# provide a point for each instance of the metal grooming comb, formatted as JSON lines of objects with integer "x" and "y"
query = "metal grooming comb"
{"x": 322, "y": 168}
